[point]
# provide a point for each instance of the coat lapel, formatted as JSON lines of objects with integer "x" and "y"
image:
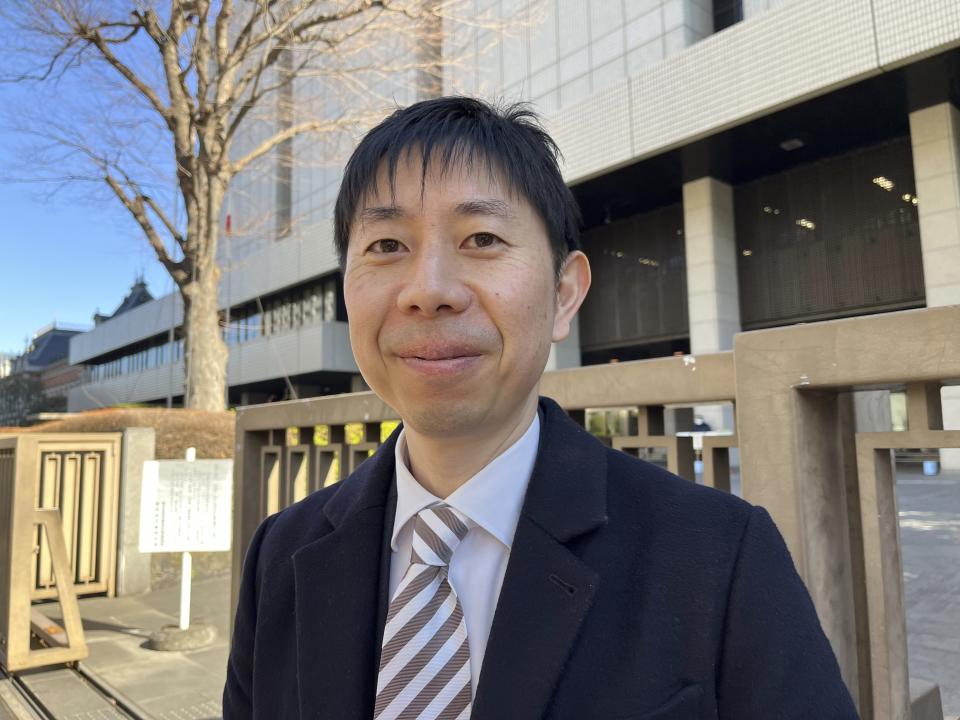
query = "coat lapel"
{"x": 547, "y": 590}
{"x": 341, "y": 584}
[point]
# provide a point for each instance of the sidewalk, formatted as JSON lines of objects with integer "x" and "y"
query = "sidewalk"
{"x": 166, "y": 685}
{"x": 929, "y": 510}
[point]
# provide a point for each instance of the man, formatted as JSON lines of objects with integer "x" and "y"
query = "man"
{"x": 493, "y": 560}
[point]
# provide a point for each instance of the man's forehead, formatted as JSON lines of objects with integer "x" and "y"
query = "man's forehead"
{"x": 462, "y": 179}
{"x": 470, "y": 207}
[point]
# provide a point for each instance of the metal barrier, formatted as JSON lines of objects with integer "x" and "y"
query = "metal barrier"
{"x": 58, "y": 510}
{"x": 829, "y": 488}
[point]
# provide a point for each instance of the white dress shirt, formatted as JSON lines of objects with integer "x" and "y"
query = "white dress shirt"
{"x": 491, "y": 500}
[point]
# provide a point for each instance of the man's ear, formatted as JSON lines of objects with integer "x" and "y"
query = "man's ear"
{"x": 571, "y": 290}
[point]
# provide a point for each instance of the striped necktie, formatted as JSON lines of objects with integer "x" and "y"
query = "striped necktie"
{"x": 425, "y": 660}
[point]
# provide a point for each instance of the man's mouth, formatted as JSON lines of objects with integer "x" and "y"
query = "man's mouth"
{"x": 434, "y": 353}
{"x": 440, "y": 360}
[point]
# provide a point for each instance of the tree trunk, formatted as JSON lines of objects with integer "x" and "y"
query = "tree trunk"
{"x": 429, "y": 50}
{"x": 205, "y": 352}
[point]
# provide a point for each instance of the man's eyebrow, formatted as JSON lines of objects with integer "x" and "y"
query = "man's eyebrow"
{"x": 383, "y": 212}
{"x": 492, "y": 207}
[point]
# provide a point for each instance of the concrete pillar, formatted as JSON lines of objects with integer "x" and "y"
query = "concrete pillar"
{"x": 677, "y": 420}
{"x": 566, "y": 353}
{"x": 872, "y": 411}
{"x": 935, "y": 136}
{"x": 133, "y": 566}
{"x": 713, "y": 301}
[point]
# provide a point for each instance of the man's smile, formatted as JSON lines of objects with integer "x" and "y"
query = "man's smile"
{"x": 440, "y": 359}
{"x": 438, "y": 351}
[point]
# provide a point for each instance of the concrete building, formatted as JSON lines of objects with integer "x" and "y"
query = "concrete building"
{"x": 740, "y": 164}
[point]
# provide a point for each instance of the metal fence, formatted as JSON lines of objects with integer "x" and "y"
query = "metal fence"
{"x": 829, "y": 487}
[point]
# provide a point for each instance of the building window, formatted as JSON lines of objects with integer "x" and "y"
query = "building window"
{"x": 330, "y": 300}
{"x": 285, "y": 160}
{"x": 829, "y": 239}
{"x": 639, "y": 291}
{"x": 726, "y": 13}
{"x": 301, "y": 306}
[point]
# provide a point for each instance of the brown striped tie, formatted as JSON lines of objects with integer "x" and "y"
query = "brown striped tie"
{"x": 425, "y": 660}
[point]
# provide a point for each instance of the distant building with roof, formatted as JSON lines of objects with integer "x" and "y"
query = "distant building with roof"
{"x": 138, "y": 295}
{"x": 48, "y": 360}
{"x": 40, "y": 379}
{"x": 50, "y": 345}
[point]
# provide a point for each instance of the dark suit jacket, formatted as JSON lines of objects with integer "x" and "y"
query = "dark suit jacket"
{"x": 629, "y": 593}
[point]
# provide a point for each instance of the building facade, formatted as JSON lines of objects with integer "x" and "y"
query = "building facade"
{"x": 740, "y": 164}
{"x": 40, "y": 379}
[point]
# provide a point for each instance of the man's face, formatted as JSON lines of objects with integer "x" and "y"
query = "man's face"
{"x": 452, "y": 299}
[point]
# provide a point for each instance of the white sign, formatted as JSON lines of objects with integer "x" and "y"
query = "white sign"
{"x": 186, "y": 506}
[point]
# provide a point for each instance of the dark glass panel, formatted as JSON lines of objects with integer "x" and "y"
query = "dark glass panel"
{"x": 829, "y": 239}
{"x": 726, "y": 13}
{"x": 639, "y": 291}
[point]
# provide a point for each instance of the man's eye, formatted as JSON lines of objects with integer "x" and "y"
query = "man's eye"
{"x": 483, "y": 240}
{"x": 386, "y": 245}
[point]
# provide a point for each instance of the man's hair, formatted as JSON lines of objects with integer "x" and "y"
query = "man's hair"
{"x": 508, "y": 140}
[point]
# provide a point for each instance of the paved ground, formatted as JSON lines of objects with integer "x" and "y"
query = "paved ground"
{"x": 930, "y": 534}
{"x": 187, "y": 685}
{"x": 166, "y": 685}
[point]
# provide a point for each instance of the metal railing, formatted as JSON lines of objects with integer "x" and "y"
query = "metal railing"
{"x": 829, "y": 488}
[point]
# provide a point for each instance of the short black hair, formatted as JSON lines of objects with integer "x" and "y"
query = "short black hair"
{"x": 508, "y": 139}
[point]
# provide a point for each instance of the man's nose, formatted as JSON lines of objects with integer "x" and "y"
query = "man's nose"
{"x": 434, "y": 284}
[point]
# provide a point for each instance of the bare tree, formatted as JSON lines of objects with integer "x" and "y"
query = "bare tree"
{"x": 202, "y": 91}
{"x": 21, "y": 395}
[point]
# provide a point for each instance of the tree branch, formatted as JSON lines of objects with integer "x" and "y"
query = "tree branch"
{"x": 135, "y": 205}
{"x": 221, "y": 33}
{"x": 181, "y": 114}
{"x": 202, "y": 54}
{"x": 93, "y": 37}
{"x": 171, "y": 228}
{"x": 235, "y": 57}
{"x": 286, "y": 32}
{"x": 258, "y": 93}
{"x": 287, "y": 134}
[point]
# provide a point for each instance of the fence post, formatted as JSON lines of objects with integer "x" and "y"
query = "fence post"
{"x": 133, "y": 566}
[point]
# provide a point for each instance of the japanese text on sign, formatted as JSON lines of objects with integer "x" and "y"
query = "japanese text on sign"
{"x": 186, "y": 506}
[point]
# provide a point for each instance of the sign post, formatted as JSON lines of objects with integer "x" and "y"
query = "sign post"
{"x": 186, "y": 568}
{"x": 186, "y": 507}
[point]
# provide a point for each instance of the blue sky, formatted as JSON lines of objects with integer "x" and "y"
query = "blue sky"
{"x": 63, "y": 257}
{"x": 64, "y": 252}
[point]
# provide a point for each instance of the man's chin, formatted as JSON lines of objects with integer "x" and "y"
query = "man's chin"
{"x": 446, "y": 417}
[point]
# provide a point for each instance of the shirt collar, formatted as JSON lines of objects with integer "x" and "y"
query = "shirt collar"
{"x": 491, "y": 499}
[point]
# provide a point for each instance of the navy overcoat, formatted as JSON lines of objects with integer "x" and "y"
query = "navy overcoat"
{"x": 629, "y": 594}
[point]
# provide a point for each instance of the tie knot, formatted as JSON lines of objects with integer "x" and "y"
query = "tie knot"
{"x": 436, "y": 534}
